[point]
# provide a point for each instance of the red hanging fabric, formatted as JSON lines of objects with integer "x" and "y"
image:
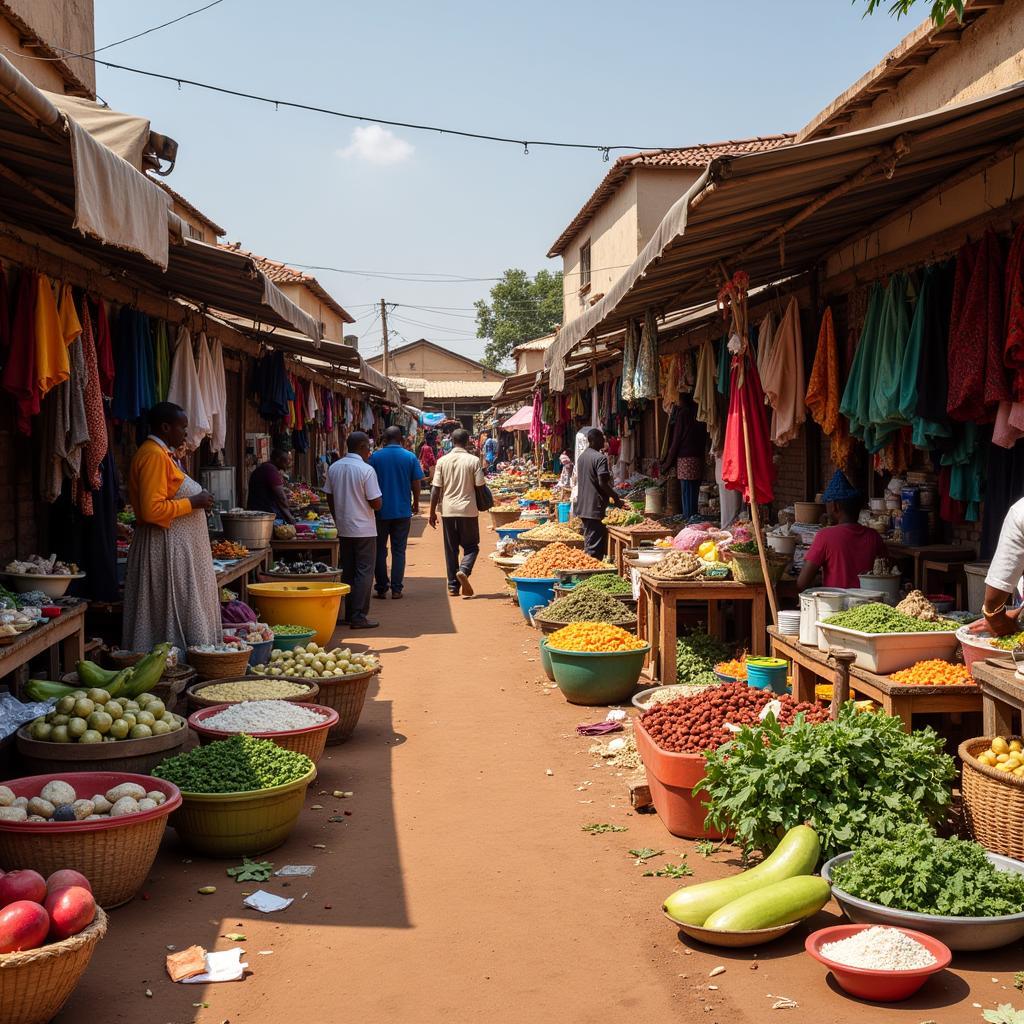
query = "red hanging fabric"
{"x": 104, "y": 350}
{"x": 1013, "y": 353}
{"x": 19, "y": 377}
{"x": 746, "y": 401}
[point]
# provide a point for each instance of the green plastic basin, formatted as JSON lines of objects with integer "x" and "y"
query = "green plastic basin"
{"x": 545, "y": 660}
{"x": 597, "y": 678}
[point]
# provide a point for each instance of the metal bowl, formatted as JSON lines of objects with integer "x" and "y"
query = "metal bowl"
{"x": 641, "y": 700}
{"x": 253, "y": 529}
{"x": 959, "y": 933}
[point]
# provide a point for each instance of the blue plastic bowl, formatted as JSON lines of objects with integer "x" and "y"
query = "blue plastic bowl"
{"x": 511, "y": 532}
{"x": 534, "y": 593}
{"x": 261, "y": 652}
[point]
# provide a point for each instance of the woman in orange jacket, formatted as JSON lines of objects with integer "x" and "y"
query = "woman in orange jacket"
{"x": 170, "y": 587}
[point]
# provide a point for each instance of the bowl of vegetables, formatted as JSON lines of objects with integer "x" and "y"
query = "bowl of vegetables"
{"x": 287, "y": 637}
{"x": 255, "y": 687}
{"x": 239, "y": 796}
{"x": 293, "y": 726}
{"x": 596, "y": 663}
{"x": 951, "y": 889}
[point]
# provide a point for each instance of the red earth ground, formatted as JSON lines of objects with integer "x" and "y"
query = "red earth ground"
{"x": 461, "y": 887}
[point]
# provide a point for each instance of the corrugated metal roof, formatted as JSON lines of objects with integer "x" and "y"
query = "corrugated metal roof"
{"x": 776, "y": 214}
{"x": 693, "y": 157}
{"x": 450, "y": 388}
{"x": 194, "y": 210}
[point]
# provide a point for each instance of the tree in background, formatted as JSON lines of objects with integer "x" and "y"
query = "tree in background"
{"x": 521, "y": 309}
{"x": 941, "y": 9}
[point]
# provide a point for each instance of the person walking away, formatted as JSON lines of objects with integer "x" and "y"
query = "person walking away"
{"x": 593, "y": 492}
{"x": 428, "y": 460}
{"x": 490, "y": 448}
{"x": 266, "y": 486}
{"x": 398, "y": 475}
{"x": 170, "y": 587}
{"x": 353, "y": 495}
{"x": 456, "y": 478}
{"x": 844, "y": 551}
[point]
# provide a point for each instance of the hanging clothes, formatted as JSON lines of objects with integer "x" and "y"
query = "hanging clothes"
{"x": 687, "y": 371}
{"x": 104, "y": 350}
{"x": 629, "y": 357}
{"x": 95, "y": 449}
{"x": 855, "y": 403}
{"x": 134, "y": 387}
{"x": 705, "y": 395}
{"x": 19, "y": 376}
{"x": 924, "y": 383}
{"x": 765, "y": 335}
{"x": 746, "y": 405}
{"x": 977, "y": 376}
{"x": 271, "y": 387}
{"x": 186, "y": 391}
{"x": 669, "y": 381}
{"x": 890, "y": 349}
{"x": 784, "y": 383}
{"x": 823, "y": 394}
{"x": 161, "y": 361}
{"x": 5, "y": 316}
{"x": 219, "y": 426}
{"x": 213, "y": 393}
{"x": 645, "y": 379}
{"x": 1013, "y": 315}
{"x": 53, "y": 334}
{"x": 724, "y": 363}
{"x": 966, "y": 462}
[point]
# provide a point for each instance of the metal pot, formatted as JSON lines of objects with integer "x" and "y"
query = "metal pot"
{"x": 253, "y": 529}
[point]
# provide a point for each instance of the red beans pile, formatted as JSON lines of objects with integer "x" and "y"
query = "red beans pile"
{"x": 691, "y": 725}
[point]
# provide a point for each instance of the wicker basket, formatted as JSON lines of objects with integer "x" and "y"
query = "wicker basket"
{"x": 747, "y": 568}
{"x": 34, "y": 985}
{"x": 347, "y": 695}
{"x": 124, "y": 659}
{"x": 993, "y": 802}
{"x": 196, "y": 700}
{"x": 219, "y": 664}
{"x": 539, "y": 544}
{"x": 310, "y": 741}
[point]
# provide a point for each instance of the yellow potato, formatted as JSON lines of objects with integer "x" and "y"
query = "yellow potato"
{"x": 1019, "y": 771}
{"x": 1004, "y": 767}
{"x": 1016, "y": 745}
{"x": 1000, "y": 746}
{"x": 1002, "y": 758}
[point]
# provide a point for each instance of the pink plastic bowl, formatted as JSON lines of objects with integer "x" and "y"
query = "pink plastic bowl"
{"x": 877, "y": 986}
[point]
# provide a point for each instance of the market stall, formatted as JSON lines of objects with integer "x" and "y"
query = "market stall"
{"x": 307, "y": 545}
{"x": 61, "y": 639}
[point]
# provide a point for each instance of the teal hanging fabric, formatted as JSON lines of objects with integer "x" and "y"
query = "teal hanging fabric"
{"x": 855, "y": 403}
{"x": 966, "y": 459}
{"x": 724, "y": 362}
{"x": 884, "y": 414}
{"x": 928, "y": 338}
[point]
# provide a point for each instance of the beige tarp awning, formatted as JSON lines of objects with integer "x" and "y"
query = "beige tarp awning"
{"x": 127, "y": 135}
{"x": 775, "y": 214}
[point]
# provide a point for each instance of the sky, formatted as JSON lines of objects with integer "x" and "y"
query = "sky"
{"x": 308, "y": 188}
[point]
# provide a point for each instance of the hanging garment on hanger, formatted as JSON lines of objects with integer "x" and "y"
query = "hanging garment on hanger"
{"x": 746, "y": 405}
{"x": 186, "y": 391}
{"x": 706, "y": 397}
{"x": 687, "y": 371}
{"x": 104, "y": 349}
{"x": 765, "y": 337}
{"x": 53, "y": 334}
{"x": 669, "y": 381}
{"x": 645, "y": 379}
{"x": 856, "y": 399}
{"x": 213, "y": 393}
{"x": 724, "y": 365}
{"x": 219, "y": 426}
{"x": 924, "y": 383}
{"x": 890, "y": 349}
{"x": 823, "y": 393}
{"x": 161, "y": 360}
{"x": 629, "y": 356}
{"x": 784, "y": 384}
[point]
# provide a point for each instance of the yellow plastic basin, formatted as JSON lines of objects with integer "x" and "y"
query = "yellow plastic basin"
{"x": 302, "y": 603}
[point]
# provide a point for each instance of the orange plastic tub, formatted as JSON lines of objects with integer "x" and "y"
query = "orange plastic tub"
{"x": 300, "y": 603}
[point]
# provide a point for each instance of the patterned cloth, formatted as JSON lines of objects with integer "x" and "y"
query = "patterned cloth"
{"x": 823, "y": 394}
{"x": 170, "y": 587}
{"x": 96, "y": 449}
{"x": 629, "y": 347}
{"x": 645, "y": 379}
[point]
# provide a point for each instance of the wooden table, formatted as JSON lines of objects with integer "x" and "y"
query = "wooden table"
{"x": 903, "y": 702}
{"x": 332, "y": 547}
{"x": 241, "y": 569}
{"x": 657, "y": 616}
{"x": 620, "y": 538}
{"x": 929, "y": 552}
{"x": 1002, "y": 694}
{"x": 64, "y": 635}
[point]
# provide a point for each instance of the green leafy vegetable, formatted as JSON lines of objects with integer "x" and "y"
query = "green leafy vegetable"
{"x": 680, "y": 870}
{"x": 704, "y": 847}
{"x": 856, "y": 777}
{"x": 599, "y": 827}
{"x": 880, "y": 618}
{"x": 251, "y": 870}
{"x": 915, "y": 870}
{"x": 645, "y": 853}
{"x": 1004, "y": 1014}
{"x": 238, "y": 764}
{"x": 696, "y": 657}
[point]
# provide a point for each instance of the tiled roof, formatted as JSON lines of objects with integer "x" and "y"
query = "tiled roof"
{"x": 694, "y": 157}
{"x": 471, "y": 364}
{"x": 194, "y": 210}
{"x": 281, "y": 273}
{"x": 450, "y": 388}
{"x": 536, "y": 345}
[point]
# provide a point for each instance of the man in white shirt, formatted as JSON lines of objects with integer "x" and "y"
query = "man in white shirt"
{"x": 353, "y": 495}
{"x": 456, "y": 478}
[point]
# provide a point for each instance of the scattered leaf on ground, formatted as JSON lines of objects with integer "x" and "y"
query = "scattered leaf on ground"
{"x": 645, "y": 853}
{"x": 705, "y": 847}
{"x": 597, "y": 827}
{"x": 252, "y": 870}
{"x": 680, "y": 870}
{"x": 234, "y": 936}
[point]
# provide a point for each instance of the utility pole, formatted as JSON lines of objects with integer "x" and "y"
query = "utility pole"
{"x": 384, "y": 330}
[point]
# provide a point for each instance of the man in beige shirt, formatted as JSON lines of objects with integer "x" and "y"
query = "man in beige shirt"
{"x": 456, "y": 478}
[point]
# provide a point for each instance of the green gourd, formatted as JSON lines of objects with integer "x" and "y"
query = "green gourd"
{"x": 797, "y": 854}
{"x": 779, "y": 903}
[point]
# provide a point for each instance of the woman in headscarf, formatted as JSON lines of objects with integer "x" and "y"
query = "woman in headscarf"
{"x": 170, "y": 586}
{"x": 844, "y": 551}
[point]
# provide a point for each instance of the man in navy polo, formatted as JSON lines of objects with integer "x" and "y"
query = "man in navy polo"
{"x": 399, "y": 474}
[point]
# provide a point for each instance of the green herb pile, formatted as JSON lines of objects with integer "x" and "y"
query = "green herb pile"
{"x": 1007, "y": 643}
{"x": 880, "y": 618}
{"x": 585, "y": 606}
{"x": 915, "y": 870}
{"x": 856, "y": 777}
{"x": 745, "y": 547}
{"x": 696, "y": 657}
{"x": 236, "y": 765}
{"x": 606, "y": 582}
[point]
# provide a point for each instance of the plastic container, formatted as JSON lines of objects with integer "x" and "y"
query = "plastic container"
{"x": 877, "y": 986}
{"x": 654, "y": 500}
{"x": 671, "y": 778}
{"x": 783, "y": 544}
{"x": 826, "y": 603}
{"x": 597, "y": 678}
{"x": 977, "y": 648}
{"x": 311, "y": 740}
{"x": 240, "y": 824}
{"x": 883, "y": 653}
{"x": 291, "y": 640}
{"x": 315, "y": 605}
{"x": 510, "y": 532}
{"x": 51, "y": 586}
{"x": 809, "y": 615}
{"x": 115, "y": 854}
{"x": 976, "y": 573}
{"x": 545, "y": 659}
{"x": 767, "y": 674}
{"x": 533, "y": 593}
{"x": 564, "y": 511}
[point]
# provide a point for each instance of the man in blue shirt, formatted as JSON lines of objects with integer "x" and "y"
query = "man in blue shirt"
{"x": 399, "y": 474}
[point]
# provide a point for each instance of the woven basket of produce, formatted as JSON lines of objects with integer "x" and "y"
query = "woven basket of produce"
{"x": 551, "y": 533}
{"x": 212, "y": 692}
{"x": 347, "y": 696}
{"x": 219, "y": 664}
{"x": 993, "y": 798}
{"x": 746, "y": 568}
{"x": 35, "y": 984}
{"x": 309, "y": 739}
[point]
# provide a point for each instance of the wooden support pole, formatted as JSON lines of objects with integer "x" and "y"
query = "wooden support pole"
{"x": 840, "y": 659}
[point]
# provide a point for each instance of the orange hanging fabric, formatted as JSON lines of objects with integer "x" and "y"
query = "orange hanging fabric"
{"x": 823, "y": 394}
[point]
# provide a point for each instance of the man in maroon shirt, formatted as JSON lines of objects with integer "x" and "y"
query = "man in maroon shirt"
{"x": 266, "y": 486}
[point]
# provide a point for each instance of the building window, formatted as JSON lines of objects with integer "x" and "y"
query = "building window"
{"x": 585, "y": 266}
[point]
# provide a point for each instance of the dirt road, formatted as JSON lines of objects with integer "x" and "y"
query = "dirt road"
{"x": 459, "y": 885}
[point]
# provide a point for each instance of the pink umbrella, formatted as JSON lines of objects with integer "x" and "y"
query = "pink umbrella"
{"x": 520, "y": 420}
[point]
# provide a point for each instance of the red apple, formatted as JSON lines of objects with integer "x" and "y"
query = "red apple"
{"x": 22, "y": 885}
{"x": 23, "y": 925}
{"x": 70, "y": 910}
{"x": 65, "y": 877}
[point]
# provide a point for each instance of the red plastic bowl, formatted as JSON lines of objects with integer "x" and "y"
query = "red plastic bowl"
{"x": 197, "y": 720}
{"x": 877, "y": 986}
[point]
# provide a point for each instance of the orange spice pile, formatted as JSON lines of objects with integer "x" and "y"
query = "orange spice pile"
{"x": 544, "y": 563}
{"x": 934, "y": 672}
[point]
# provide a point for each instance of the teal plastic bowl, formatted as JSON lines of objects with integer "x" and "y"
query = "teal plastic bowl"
{"x": 293, "y": 640}
{"x": 534, "y": 593}
{"x": 545, "y": 660}
{"x": 595, "y": 679}
{"x": 767, "y": 674}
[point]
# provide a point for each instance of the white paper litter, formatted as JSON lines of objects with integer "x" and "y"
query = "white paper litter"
{"x": 223, "y": 966}
{"x": 774, "y": 707}
{"x": 266, "y": 902}
{"x": 296, "y": 871}
{"x": 615, "y": 715}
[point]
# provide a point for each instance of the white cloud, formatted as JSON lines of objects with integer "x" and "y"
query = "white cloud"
{"x": 377, "y": 145}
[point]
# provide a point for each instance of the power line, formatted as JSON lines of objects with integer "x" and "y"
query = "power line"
{"x": 605, "y": 151}
{"x": 425, "y": 277}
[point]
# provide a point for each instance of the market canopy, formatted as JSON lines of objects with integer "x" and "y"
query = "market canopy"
{"x": 777, "y": 213}
{"x": 520, "y": 420}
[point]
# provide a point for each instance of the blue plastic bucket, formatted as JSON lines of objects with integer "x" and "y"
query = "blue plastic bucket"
{"x": 534, "y": 593}
{"x": 564, "y": 509}
{"x": 767, "y": 674}
{"x": 507, "y": 532}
